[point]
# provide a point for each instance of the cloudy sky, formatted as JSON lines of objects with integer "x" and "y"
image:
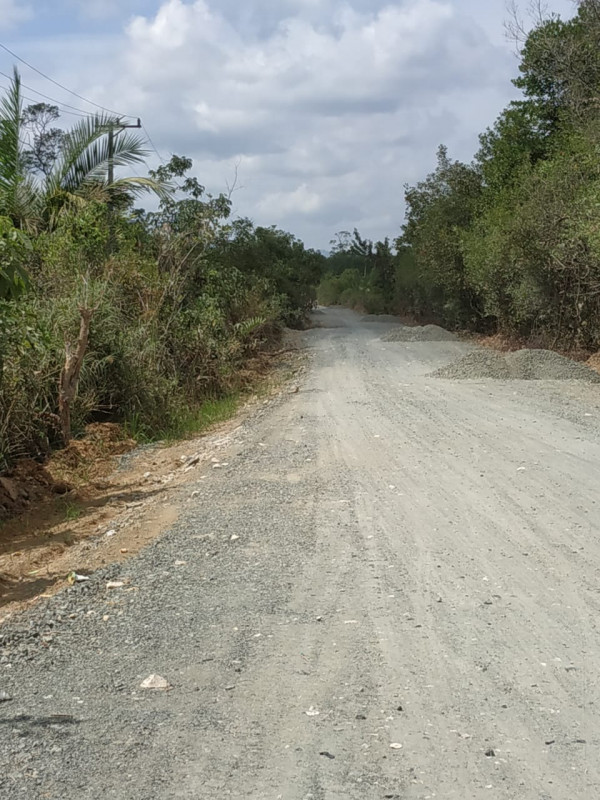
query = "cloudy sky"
{"x": 326, "y": 107}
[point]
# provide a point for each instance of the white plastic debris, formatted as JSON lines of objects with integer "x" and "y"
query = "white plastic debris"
{"x": 396, "y": 746}
{"x": 75, "y": 577}
{"x": 312, "y": 712}
{"x": 114, "y": 584}
{"x": 156, "y": 682}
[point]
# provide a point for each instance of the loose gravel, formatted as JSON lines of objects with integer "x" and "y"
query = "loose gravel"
{"x": 371, "y": 556}
{"x": 425, "y": 333}
{"x": 525, "y": 365}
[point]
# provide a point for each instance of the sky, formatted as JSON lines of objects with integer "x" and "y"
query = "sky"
{"x": 324, "y": 109}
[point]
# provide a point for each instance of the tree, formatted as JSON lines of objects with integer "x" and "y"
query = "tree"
{"x": 518, "y": 138}
{"x": 560, "y": 64}
{"x": 45, "y": 142}
{"x": 438, "y": 210}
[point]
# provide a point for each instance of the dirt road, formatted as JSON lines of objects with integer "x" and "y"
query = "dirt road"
{"x": 391, "y": 589}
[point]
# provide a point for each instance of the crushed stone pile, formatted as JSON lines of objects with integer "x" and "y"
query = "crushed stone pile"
{"x": 427, "y": 333}
{"x": 524, "y": 365}
{"x": 379, "y": 318}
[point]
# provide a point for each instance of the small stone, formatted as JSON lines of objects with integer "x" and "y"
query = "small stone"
{"x": 4, "y": 697}
{"x": 491, "y": 753}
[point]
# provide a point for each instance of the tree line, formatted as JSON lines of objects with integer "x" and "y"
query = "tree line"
{"x": 511, "y": 241}
{"x": 110, "y": 312}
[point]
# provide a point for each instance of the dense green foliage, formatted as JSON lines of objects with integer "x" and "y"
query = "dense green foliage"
{"x": 182, "y": 297}
{"x": 510, "y": 242}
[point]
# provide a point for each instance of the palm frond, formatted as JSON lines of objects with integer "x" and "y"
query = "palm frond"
{"x": 137, "y": 186}
{"x": 18, "y": 192}
{"x": 10, "y": 130}
{"x": 86, "y": 155}
{"x": 76, "y": 158}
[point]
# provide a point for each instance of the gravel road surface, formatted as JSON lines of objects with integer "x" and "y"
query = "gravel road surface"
{"x": 391, "y": 589}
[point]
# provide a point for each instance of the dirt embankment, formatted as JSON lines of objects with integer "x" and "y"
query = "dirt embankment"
{"x": 103, "y": 499}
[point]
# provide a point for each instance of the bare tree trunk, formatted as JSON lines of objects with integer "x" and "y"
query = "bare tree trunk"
{"x": 69, "y": 376}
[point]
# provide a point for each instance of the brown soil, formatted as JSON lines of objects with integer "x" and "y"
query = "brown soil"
{"x": 60, "y": 513}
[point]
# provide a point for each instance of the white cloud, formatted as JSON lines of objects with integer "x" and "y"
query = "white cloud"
{"x": 329, "y": 107}
{"x": 299, "y": 201}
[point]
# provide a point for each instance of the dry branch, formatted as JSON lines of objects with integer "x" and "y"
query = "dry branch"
{"x": 69, "y": 376}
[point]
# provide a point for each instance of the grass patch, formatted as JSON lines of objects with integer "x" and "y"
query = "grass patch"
{"x": 186, "y": 421}
{"x": 190, "y": 421}
{"x": 72, "y": 512}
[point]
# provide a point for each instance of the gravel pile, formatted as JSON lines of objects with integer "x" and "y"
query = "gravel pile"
{"x": 480, "y": 364}
{"x": 379, "y": 318}
{"x": 544, "y": 365}
{"x": 524, "y": 365}
{"x": 427, "y": 333}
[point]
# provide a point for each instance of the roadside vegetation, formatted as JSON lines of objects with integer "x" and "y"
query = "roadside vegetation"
{"x": 112, "y": 313}
{"x": 510, "y": 242}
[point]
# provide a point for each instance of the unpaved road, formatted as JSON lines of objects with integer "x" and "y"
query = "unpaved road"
{"x": 418, "y": 561}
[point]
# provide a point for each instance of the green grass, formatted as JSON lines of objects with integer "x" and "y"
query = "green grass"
{"x": 190, "y": 421}
{"x": 186, "y": 421}
{"x": 72, "y": 512}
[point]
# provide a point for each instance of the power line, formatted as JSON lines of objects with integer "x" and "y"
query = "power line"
{"x": 47, "y": 97}
{"x": 33, "y": 100}
{"x": 152, "y": 145}
{"x": 60, "y": 85}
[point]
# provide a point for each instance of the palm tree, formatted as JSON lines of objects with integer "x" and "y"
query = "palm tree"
{"x": 18, "y": 193}
{"x": 79, "y": 174}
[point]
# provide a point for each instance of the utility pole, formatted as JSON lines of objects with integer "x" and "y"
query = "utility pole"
{"x": 111, "y": 175}
{"x": 111, "y": 146}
